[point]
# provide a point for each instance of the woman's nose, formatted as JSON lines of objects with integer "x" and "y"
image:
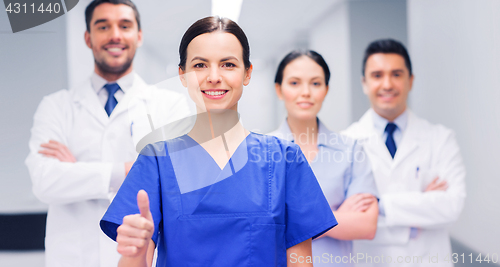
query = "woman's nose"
{"x": 214, "y": 76}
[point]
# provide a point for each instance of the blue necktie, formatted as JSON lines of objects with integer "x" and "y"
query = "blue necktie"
{"x": 111, "y": 103}
{"x": 391, "y": 145}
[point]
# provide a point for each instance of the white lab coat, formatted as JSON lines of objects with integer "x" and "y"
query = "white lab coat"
{"x": 79, "y": 193}
{"x": 425, "y": 151}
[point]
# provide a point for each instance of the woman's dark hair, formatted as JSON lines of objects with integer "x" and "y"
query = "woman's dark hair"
{"x": 89, "y": 11}
{"x": 386, "y": 46}
{"x": 296, "y": 54}
{"x": 211, "y": 24}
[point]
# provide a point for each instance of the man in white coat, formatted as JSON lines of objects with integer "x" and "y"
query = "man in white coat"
{"x": 83, "y": 139}
{"x": 417, "y": 166}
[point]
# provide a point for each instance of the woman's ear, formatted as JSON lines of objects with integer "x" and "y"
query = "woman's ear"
{"x": 248, "y": 75}
{"x": 277, "y": 87}
{"x": 182, "y": 77}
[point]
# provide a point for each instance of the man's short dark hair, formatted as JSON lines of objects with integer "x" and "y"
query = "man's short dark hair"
{"x": 386, "y": 46}
{"x": 89, "y": 11}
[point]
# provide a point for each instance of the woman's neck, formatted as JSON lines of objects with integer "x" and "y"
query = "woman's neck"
{"x": 218, "y": 123}
{"x": 220, "y": 133}
{"x": 305, "y": 132}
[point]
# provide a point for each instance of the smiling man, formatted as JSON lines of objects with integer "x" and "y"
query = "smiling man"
{"x": 417, "y": 167}
{"x": 82, "y": 142}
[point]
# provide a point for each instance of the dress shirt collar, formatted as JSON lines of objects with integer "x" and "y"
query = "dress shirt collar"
{"x": 380, "y": 123}
{"x": 325, "y": 136}
{"x": 124, "y": 82}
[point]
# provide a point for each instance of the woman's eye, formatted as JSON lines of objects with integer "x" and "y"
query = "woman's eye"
{"x": 229, "y": 65}
{"x": 294, "y": 83}
{"x": 199, "y": 65}
{"x": 317, "y": 84}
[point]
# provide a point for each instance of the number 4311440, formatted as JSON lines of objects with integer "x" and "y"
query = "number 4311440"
{"x": 462, "y": 258}
{"x": 24, "y": 8}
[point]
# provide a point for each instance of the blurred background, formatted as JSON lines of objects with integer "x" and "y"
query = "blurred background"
{"x": 454, "y": 46}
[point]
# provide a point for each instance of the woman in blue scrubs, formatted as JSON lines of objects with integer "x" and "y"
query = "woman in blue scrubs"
{"x": 219, "y": 195}
{"x": 339, "y": 163}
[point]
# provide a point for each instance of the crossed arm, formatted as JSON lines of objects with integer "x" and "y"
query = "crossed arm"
{"x": 358, "y": 214}
{"x": 357, "y": 218}
{"x": 441, "y": 202}
{"x": 57, "y": 176}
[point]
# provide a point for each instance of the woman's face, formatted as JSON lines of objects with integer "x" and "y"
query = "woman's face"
{"x": 303, "y": 88}
{"x": 215, "y": 72}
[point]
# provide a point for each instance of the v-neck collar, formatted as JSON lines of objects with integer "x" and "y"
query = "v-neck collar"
{"x": 243, "y": 142}
{"x": 185, "y": 152}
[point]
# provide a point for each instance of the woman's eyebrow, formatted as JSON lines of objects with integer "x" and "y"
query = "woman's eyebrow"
{"x": 199, "y": 58}
{"x": 228, "y": 58}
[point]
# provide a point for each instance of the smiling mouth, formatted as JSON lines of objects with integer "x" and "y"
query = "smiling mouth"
{"x": 388, "y": 96}
{"x": 305, "y": 104}
{"x": 115, "y": 49}
{"x": 214, "y": 92}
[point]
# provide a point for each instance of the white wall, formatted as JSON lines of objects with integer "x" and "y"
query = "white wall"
{"x": 455, "y": 48}
{"x": 32, "y": 65}
{"x": 80, "y": 59}
{"x": 259, "y": 104}
{"x": 330, "y": 38}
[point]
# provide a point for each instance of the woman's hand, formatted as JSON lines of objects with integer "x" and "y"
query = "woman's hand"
{"x": 358, "y": 202}
{"x": 134, "y": 235}
{"x": 357, "y": 218}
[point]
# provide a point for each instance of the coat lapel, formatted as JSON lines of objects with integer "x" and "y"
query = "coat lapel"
{"x": 88, "y": 99}
{"x": 376, "y": 146}
{"x": 372, "y": 142}
{"x": 139, "y": 92}
{"x": 409, "y": 142}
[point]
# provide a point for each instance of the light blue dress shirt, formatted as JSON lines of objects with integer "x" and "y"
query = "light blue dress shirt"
{"x": 380, "y": 123}
{"x": 342, "y": 169}
{"x": 126, "y": 82}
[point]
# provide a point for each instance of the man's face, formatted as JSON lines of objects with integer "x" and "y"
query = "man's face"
{"x": 114, "y": 37}
{"x": 387, "y": 83}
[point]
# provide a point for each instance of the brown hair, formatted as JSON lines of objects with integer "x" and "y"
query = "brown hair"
{"x": 211, "y": 24}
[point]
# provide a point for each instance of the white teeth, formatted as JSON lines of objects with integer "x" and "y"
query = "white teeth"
{"x": 215, "y": 93}
{"x": 114, "y": 49}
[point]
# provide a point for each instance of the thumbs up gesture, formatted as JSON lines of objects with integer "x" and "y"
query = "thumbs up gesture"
{"x": 135, "y": 233}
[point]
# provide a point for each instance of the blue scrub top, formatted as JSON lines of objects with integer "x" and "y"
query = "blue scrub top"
{"x": 265, "y": 200}
{"x": 342, "y": 169}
